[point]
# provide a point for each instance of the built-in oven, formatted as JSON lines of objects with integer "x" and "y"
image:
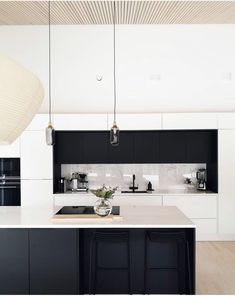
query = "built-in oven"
{"x": 9, "y": 181}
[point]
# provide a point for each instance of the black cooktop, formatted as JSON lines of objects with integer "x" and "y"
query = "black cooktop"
{"x": 83, "y": 210}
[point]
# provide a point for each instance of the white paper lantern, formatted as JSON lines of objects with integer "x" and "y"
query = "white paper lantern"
{"x": 21, "y": 94}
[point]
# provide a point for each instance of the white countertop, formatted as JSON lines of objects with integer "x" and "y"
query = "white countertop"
{"x": 154, "y": 193}
{"x": 133, "y": 217}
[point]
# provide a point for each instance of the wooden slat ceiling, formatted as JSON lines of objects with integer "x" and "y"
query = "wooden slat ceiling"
{"x": 128, "y": 12}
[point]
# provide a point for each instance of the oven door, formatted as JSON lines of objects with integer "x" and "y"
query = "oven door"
{"x": 9, "y": 193}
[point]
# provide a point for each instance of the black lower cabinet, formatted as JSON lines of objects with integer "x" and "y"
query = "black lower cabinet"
{"x": 14, "y": 263}
{"x": 97, "y": 261}
{"x": 53, "y": 261}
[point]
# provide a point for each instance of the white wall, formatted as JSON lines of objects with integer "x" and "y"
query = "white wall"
{"x": 159, "y": 68}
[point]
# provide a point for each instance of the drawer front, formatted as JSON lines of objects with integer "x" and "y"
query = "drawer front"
{"x": 74, "y": 200}
{"x": 205, "y": 226}
{"x": 194, "y": 206}
{"x": 83, "y": 199}
{"x": 142, "y": 200}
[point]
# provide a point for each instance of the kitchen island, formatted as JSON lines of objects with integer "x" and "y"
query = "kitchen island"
{"x": 151, "y": 250}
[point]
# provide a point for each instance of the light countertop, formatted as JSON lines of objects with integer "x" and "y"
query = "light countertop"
{"x": 133, "y": 217}
{"x": 154, "y": 193}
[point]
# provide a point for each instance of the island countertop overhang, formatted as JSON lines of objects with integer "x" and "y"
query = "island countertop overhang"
{"x": 133, "y": 217}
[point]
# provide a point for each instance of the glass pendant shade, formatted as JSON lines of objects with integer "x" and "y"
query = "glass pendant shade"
{"x": 50, "y": 135}
{"x": 21, "y": 94}
{"x": 114, "y": 135}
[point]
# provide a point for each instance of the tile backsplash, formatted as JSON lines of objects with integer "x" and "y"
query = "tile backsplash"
{"x": 162, "y": 176}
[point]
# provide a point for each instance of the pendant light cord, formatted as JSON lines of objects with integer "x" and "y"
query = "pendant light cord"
{"x": 49, "y": 56}
{"x": 114, "y": 62}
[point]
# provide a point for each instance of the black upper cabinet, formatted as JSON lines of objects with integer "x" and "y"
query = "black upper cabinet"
{"x": 69, "y": 147}
{"x": 173, "y": 147}
{"x": 96, "y": 147}
{"x": 53, "y": 261}
{"x": 185, "y": 146}
{"x": 201, "y": 146}
{"x": 146, "y": 147}
{"x": 14, "y": 273}
{"x": 124, "y": 152}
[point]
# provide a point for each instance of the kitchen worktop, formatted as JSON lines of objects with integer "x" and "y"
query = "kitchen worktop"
{"x": 155, "y": 192}
{"x": 133, "y": 217}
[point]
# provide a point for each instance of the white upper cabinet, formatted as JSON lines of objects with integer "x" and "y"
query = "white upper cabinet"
{"x": 226, "y": 158}
{"x": 80, "y": 121}
{"x": 226, "y": 120}
{"x": 39, "y": 122}
{"x": 36, "y": 193}
{"x": 12, "y": 150}
{"x": 36, "y": 156}
{"x": 189, "y": 121}
{"x": 137, "y": 121}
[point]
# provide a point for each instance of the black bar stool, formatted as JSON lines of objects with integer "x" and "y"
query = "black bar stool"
{"x": 107, "y": 237}
{"x": 178, "y": 237}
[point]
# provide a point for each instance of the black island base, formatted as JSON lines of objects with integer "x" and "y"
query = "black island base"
{"x": 97, "y": 261}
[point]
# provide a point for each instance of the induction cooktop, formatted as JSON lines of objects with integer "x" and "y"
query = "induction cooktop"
{"x": 83, "y": 210}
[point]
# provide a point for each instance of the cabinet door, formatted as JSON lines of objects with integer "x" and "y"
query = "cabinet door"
{"x": 226, "y": 198}
{"x": 12, "y": 150}
{"x": 36, "y": 193}
{"x": 69, "y": 147}
{"x": 38, "y": 123}
{"x": 80, "y": 121}
{"x": 173, "y": 147}
{"x": 53, "y": 265}
{"x": 96, "y": 147}
{"x": 201, "y": 146}
{"x": 36, "y": 156}
{"x": 189, "y": 120}
{"x": 194, "y": 206}
{"x": 146, "y": 147}
{"x": 137, "y": 121}
{"x": 124, "y": 152}
{"x": 14, "y": 274}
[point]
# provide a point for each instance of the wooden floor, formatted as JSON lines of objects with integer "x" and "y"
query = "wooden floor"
{"x": 215, "y": 268}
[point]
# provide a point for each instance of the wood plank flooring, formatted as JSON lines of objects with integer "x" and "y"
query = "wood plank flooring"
{"x": 215, "y": 268}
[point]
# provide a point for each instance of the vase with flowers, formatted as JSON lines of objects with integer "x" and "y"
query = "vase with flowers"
{"x": 103, "y": 206}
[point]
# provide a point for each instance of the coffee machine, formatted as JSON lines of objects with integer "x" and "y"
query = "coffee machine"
{"x": 201, "y": 179}
{"x": 79, "y": 182}
{"x": 82, "y": 182}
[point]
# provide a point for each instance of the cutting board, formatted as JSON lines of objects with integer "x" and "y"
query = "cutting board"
{"x": 86, "y": 217}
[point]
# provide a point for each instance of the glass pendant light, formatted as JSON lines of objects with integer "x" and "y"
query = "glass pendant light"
{"x": 50, "y": 132}
{"x": 114, "y": 132}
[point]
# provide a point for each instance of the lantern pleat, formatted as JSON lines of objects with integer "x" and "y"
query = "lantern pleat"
{"x": 21, "y": 94}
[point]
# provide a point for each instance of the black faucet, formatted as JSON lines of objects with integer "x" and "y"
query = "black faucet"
{"x": 133, "y": 187}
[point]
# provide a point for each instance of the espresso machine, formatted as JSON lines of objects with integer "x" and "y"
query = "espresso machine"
{"x": 82, "y": 182}
{"x": 79, "y": 182}
{"x": 201, "y": 179}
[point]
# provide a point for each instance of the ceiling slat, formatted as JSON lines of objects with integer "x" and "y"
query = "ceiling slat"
{"x": 128, "y": 12}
